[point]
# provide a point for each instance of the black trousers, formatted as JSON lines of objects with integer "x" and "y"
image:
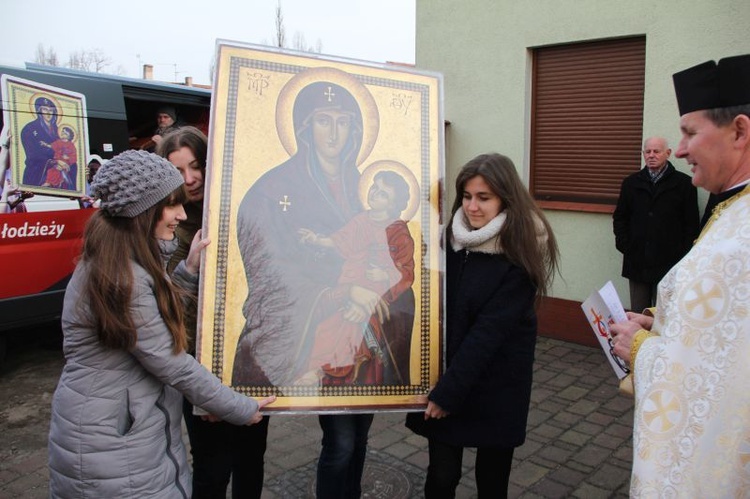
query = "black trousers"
{"x": 642, "y": 295}
{"x": 492, "y": 471}
{"x": 223, "y": 450}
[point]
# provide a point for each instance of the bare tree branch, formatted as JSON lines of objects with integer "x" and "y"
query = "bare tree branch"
{"x": 99, "y": 60}
{"x": 89, "y": 60}
{"x": 47, "y": 57}
{"x": 280, "y": 36}
{"x": 299, "y": 43}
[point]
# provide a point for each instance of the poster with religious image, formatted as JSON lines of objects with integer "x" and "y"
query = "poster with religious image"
{"x": 322, "y": 283}
{"x": 48, "y": 137}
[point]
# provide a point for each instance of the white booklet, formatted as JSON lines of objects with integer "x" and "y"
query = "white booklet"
{"x": 603, "y": 308}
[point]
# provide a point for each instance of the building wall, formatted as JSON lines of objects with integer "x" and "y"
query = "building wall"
{"x": 483, "y": 48}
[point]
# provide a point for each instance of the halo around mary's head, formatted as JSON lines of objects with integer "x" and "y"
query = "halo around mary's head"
{"x": 326, "y": 88}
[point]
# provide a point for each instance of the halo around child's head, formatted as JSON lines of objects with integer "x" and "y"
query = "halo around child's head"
{"x": 368, "y": 174}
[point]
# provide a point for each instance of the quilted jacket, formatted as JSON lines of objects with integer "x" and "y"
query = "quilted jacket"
{"x": 116, "y": 415}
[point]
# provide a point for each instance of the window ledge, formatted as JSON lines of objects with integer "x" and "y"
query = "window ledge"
{"x": 582, "y": 207}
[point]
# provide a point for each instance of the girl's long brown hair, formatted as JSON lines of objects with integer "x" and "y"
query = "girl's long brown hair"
{"x": 519, "y": 238}
{"x": 109, "y": 243}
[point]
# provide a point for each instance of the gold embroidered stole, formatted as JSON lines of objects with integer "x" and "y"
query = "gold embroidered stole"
{"x": 719, "y": 208}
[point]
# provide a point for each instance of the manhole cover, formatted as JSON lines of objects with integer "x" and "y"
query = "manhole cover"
{"x": 384, "y": 477}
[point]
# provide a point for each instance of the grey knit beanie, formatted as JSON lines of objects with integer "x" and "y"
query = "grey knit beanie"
{"x": 134, "y": 181}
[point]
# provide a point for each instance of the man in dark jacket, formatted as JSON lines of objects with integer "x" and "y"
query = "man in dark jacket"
{"x": 655, "y": 222}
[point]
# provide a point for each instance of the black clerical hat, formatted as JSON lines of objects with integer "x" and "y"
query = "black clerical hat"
{"x": 710, "y": 85}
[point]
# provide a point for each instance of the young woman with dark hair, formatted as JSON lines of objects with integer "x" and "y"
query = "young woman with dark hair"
{"x": 501, "y": 258}
{"x": 221, "y": 451}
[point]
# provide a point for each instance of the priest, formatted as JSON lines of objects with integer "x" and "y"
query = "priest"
{"x": 690, "y": 358}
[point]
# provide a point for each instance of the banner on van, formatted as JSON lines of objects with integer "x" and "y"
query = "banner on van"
{"x": 48, "y": 137}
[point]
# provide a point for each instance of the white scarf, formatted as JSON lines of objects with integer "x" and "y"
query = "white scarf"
{"x": 482, "y": 240}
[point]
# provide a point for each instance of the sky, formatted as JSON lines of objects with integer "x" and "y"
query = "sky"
{"x": 179, "y": 38}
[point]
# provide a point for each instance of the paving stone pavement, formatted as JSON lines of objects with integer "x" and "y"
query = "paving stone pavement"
{"x": 578, "y": 443}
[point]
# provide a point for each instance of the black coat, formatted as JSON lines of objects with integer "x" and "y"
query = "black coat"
{"x": 655, "y": 224}
{"x": 491, "y": 334}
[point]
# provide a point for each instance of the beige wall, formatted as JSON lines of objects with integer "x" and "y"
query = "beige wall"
{"x": 483, "y": 48}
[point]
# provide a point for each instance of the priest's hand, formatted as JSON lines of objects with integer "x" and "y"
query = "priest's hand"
{"x": 622, "y": 337}
{"x": 646, "y": 321}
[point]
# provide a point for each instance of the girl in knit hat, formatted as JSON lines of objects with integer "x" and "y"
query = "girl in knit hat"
{"x": 116, "y": 413}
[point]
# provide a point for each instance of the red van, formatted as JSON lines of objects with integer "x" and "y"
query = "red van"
{"x": 39, "y": 247}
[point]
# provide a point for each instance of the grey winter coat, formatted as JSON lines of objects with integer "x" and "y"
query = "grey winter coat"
{"x": 116, "y": 415}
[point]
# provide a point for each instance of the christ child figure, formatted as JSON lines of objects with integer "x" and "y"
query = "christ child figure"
{"x": 58, "y": 170}
{"x": 352, "y": 345}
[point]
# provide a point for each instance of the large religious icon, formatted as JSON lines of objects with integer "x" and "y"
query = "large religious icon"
{"x": 323, "y": 284}
{"x": 49, "y": 137}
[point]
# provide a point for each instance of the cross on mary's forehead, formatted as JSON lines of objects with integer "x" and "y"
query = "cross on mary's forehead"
{"x": 329, "y": 93}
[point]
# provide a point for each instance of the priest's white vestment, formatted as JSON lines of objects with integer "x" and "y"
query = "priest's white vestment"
{"x": 692, "y": 382}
